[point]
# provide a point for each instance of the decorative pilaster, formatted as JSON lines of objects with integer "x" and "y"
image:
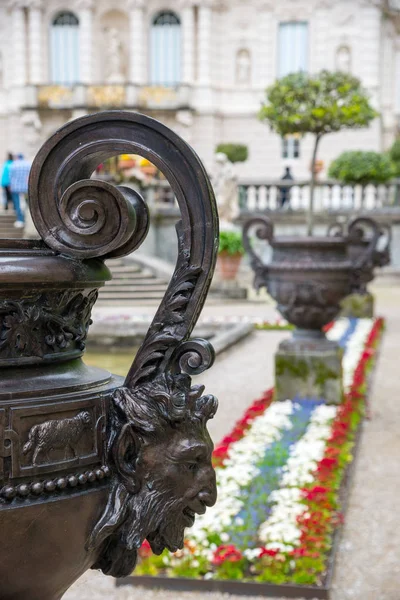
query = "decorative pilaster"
{"x": 35, "y": 42}
{"x": 204, "y": 44}
{"x": 188, "y": 28}
{"x": 137, "y": 55}
{"x": 18, "y": 42}
{"x": 85, "y": 37}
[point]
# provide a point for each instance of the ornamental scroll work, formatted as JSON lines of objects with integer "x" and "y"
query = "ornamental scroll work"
{"x": 45, "y": 323}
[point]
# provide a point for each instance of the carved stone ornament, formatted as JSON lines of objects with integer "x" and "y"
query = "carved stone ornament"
{"x": 91, "y": 465}
{"x": 307, "y": 276}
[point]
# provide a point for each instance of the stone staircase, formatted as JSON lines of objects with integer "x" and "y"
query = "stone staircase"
{"x": 7, "y": 229}
{"x": 131, "y": 285}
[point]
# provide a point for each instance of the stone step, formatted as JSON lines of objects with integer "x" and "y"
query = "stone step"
{"x": 137, "y": 281}
{"x": 123, "y": 269}
{"x": 133, "y": 288}
{"x": 134, "y": 293}
{"x": 131, "y": 276}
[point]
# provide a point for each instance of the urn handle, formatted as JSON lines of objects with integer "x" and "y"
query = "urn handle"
{"x": 264, "y": 230}
{"x": 356, "y": 232}
{"x": 83, "y": 218}
{"x": 382, "y": 255}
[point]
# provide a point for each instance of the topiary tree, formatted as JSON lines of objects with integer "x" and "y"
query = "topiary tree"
{"x": 394, "y": 154}
{"x": 319, "y": 104}
{"x": 363, "y": 167}
{"x": 234, "y": 152}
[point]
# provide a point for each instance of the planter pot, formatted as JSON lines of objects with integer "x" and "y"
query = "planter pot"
{"x": 228, "y": 265}
{"x": 308, "y": 277}
{"x": 84, "y": 477}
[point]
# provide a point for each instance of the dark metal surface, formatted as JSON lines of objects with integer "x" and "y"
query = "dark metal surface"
{"x": 365, "y": 233}
{"x": 308, "y": 277}
{"x": 90, "y": 465}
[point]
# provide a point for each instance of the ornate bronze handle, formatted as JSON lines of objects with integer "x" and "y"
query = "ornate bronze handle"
{"x": 382, "y": 255}
{"x": 356, "y": 233}
{"x": 85, "y": 218}
{"x": 264, "y": 231}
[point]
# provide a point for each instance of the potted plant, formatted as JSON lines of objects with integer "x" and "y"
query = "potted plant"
{"x": 317, "y": 104}
{"x": 229, "y": 254}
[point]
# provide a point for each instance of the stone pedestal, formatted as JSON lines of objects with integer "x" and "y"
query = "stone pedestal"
{"x": 229, "y": 289}
{"x": 358, "y": 306}
{"x": 309, "y": 366}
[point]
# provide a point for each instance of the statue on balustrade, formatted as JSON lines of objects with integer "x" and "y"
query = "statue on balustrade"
{"x": 225, "y": 183}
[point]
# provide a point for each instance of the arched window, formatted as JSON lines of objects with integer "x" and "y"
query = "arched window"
{"x": 165, "y": 67}
{"x": 64, "y": 49}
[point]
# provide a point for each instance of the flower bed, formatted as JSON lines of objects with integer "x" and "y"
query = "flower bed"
{"x": 280, "y": 473}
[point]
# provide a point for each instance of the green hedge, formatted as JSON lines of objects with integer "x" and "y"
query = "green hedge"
{"x": 394, "y": 154}
{"x": 234, "y": 152}
{"x": 358, "y": 166}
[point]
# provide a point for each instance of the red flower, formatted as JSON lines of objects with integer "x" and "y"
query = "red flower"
{"x": 145, "y": 550}
{"x": 268, "y": 552}
{"x": 226, "y": 553}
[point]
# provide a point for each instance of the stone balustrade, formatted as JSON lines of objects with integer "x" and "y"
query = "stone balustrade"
{"x": 330, "y": 196}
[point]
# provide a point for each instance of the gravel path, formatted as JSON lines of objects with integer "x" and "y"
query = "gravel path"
{"x": 368, "y": 566}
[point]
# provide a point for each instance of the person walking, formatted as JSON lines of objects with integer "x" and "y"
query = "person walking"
{"x": 5, "y": 181}
{"x": 19, "y": 174}
{"x": 284, "y": 192}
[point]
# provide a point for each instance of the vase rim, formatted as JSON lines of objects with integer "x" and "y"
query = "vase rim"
{"x": 310, "y": 241}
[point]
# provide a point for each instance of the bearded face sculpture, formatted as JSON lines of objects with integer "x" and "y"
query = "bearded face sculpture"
{"x": 162, "y": 457}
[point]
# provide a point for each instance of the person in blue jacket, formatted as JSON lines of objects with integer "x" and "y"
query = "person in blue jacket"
{"x": 5, "y": 181}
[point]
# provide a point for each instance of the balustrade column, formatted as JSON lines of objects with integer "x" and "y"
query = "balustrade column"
{"x": 204, "y": 44}
{"x": 188, "y": 43}
{"x": 85, "y": 41}
{"x": 35, "y": 42}
{"x": 137, "y": 55}
{"x": 18, "y": 43}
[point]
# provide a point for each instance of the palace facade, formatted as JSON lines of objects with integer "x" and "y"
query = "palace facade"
{"x": 200, "y": 66}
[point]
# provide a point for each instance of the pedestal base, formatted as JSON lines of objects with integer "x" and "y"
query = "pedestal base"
{"x": 229, "y": 289}
{"x": 358, "y": 306}
{"x": 309, "y": 366}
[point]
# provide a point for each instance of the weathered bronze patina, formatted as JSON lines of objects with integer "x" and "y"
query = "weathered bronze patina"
{"x": 361, "y": 231}
{"x": 307, "y": 276}
{"x": 91, "y": 465}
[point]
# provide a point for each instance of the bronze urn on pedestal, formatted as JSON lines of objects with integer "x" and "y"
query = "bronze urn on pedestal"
{"x": 91, "y": 465}
{"x": 308, "y": 277}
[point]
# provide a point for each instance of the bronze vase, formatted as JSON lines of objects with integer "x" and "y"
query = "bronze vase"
{"x": 91, "y": 464}
{"x": 307, "y": 276}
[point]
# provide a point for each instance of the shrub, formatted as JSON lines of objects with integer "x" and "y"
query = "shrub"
{"x": 234, "y": 152}
{"x": 359, "y": 166}
{"x": 318, "y": 104}
{"x": 230, "y": 242}
{"x": 394, "y": 154}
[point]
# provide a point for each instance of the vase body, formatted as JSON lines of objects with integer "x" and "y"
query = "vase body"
{"x": 53, "y": 411}
{"x": 307, "y": 276}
